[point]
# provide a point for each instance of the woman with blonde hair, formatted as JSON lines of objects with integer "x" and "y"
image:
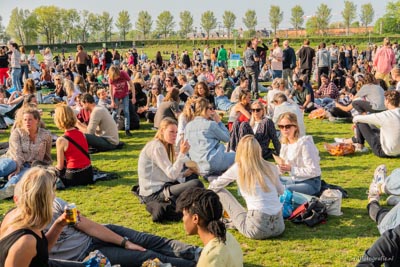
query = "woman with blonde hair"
{"x": 259, "y": 184}
{"x": 71, "y": 92}
{"x": 73, "y": 160}
{"x": 161, "y": 171}
{"x": 120, "y": 85}
{"x": 22, "y": 237}
{"x": 28, "y": 143}
{"x": 47, "y": 57}
{"x": 300, "y": 158}
{"x": 205, "y": 134}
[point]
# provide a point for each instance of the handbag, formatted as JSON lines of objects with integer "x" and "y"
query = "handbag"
{"x": 332, "y": 198}
{"x": 339, "y": 149}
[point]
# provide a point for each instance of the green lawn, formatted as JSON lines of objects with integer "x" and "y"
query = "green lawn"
{"x": 339, "y": 242}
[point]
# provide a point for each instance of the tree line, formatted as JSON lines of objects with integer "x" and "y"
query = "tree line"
{"x": 54, "y": 25}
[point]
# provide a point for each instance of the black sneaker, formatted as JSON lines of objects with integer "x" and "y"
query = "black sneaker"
{"x": 128, "y": 133}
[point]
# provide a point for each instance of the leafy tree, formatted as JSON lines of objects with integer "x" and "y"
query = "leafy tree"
{"x": 186, "y": 23}
{"x": 123, "y": 23}
{"x": 94, "y": 25}
{"x": 144, "y": 23}
{"x": 348, "y": 14}
{"x": 105, "y": 24}
{"x": 48, "y": 22}
{"x": 165, "y": 23}
{"x": 16, "y": 25}
{"x": 323, "y": 16}
{"x": 275, "y": 17}
{"x": 208, "y": 21}
{"x": 367, "y": 15}
{"x": 69, "y": 23}
{"x": 250, "y": 21}
{"x": 83, "y": 26}
{"x": 228, "y": 19}
{"x": 312, "y": 26}
{"x": 297, "y": 19}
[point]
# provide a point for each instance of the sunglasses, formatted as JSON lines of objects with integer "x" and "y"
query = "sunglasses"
{"x": 167, "y": 80}
{"x": 286, "y": 127}
{"x": 256, "y": 109}
{"x": 210, "y": 108}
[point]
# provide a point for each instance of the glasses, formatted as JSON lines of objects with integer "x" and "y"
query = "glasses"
{"x": 167, "y": 80}
{"x": 57, "y": 79}
{"x": 210, "y": 108}
{"x": 286, "y": 127}
{"x": 256, "y": 109}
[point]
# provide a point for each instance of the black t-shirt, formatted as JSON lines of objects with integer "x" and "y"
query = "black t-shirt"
{"x": 42, "y": 255}
{"x": 4, "y": 61}
{"x": 108, "y": 57}
{"x": 306, "y": 55}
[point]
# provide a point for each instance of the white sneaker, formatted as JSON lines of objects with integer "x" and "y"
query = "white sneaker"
{"x": 380, "y": 174}
{"x": 393, "y": 200}
{"x": 373, "y": 192}
{"x": 360, "y": 148}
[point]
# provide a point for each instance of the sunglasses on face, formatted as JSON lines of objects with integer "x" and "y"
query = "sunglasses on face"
{"x": 167, "y": 80}
{"x": 210, "y": 108}
{"x": 256, "y": 109}
{"x": 286, "y": 127}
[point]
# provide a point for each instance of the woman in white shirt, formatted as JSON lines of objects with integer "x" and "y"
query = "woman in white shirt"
{"x": 301, "y": 158}
{"x": 258, "y": 181}
{"x": 161, "y": 172}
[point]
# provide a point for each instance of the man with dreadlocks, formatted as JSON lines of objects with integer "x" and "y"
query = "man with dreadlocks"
{"x": 202, "y": 212}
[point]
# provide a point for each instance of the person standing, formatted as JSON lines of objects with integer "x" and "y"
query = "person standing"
{"x": 15, "y": 63}
{"x": 120, "y": 85}
{"x": 323, "y": 58}
{"x": 289, "y": 63}
{"x": 306, "y": 55}
{"x": 252, "y": 66}
{"x": 334, "y": 53}
{"x": 207, "y": 55}
{"x": 384, "y": 61}
{"x": 276, "y": 59}
{"x": 81, "y": 58}
{"x": 262, "y": 52}
{"x": 222, "y": 57}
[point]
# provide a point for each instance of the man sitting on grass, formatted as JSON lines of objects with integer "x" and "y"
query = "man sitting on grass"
{"x": 102, "y": 131}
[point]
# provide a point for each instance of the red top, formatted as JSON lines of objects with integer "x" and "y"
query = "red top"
{"x": 119, "y": 86}
{"x": 74, "y": 157}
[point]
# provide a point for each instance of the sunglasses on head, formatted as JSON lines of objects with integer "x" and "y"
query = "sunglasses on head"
{"x": 286, "y": 127}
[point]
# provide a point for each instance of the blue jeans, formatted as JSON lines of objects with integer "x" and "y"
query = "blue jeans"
{"x": 7, "y": 166}
{"x": 323, "y": 101}
{"x": 310, "y": 186}
{"x": 16, "y": 79}
{"x": 125, "y": 106}
{"x": 276, "y": 74}
{"x": 24, "y": 72}
{"x": 167, "y": 250}
{"x": 15, "y": 178}
{"x": 100, "y": 143}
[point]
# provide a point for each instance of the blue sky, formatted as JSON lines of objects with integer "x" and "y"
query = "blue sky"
{"x": 155, "y": 7}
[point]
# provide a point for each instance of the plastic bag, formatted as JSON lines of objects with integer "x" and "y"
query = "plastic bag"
{"x": 96, "y": 259}
{"x": 339, "y": 149}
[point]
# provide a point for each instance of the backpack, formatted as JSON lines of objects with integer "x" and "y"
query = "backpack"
{"x": 311, "y": 213}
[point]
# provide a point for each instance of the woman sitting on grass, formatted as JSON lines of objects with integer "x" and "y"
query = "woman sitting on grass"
{"x": 202, "y": 212}
{"x": 73, "y": 160}
{"x": 22, "y": 240}
{"x": 258, "y": 181}
{"x": 299, "y": 158}
{"x": 241, "y": 110}
{"x": 162, "y": 177}
{"x": 205, "y": 134}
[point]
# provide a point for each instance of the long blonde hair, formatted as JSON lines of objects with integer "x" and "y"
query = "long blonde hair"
{"x": 34, "y": 199}
{"x": 253, "y": 169}
{"x": 160, "y": 136}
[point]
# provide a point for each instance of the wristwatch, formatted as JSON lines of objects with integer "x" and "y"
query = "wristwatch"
{"x": 123, "y": 242}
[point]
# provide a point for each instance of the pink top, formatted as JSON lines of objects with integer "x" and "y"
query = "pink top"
{"x": 119, "y": 86}
{"x": 384, "y": 60}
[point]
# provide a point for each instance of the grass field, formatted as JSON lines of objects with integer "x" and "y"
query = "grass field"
{"x": 339, "y": 242}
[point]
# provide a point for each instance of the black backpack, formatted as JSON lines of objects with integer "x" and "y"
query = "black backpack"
{"x": 311, "y": 213}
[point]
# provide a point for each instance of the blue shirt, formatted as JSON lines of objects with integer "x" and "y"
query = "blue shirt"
{"x": 223, "y": 103}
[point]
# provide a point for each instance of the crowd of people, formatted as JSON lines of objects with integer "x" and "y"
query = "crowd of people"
{"x": 186, "y": 97}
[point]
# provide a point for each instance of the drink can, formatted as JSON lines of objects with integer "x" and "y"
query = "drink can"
{"x": 72, "y": 214}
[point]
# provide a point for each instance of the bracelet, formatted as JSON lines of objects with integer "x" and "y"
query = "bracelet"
{"x": 123, "y": 242}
